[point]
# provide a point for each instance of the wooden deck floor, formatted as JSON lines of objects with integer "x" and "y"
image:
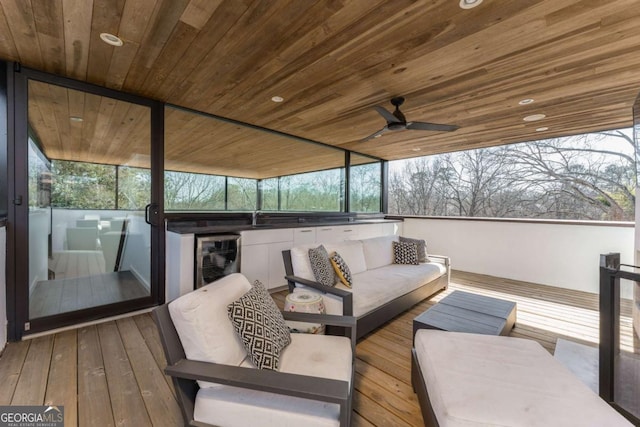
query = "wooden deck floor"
{"x": 111, "y": 374}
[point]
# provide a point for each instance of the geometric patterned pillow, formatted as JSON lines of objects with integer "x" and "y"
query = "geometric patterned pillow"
{"x": 321, "y": 266}
{"x": 260, "y": 325}
{"x": 405, "y": 253}
{"x": 422, "y": 248}
{"x": 342, "y": 269}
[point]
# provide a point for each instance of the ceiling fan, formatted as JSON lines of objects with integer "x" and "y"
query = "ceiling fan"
{"x": 397, "y": 121}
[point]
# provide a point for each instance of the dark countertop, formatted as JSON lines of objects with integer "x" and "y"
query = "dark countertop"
{"x": 236, "y": 228}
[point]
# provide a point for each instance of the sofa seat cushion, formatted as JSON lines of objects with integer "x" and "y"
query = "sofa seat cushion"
{"x": 479, "y": 380}
{"x": 373, "y": 288}
{"x": 323, "y": 356}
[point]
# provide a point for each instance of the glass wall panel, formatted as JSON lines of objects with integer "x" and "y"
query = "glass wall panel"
{"x": 270, "y": 194}
{"x": 365, "y": 184}
{"x": 200, "y": 144}
{"x": 185, "y": 191}
{"x": 82, "y": 185}
{"x": 134, "y": 186}
{"x": 242, "y": 194}
{"x": 314, "y": 191}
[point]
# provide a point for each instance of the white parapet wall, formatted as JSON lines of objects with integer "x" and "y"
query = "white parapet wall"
{"x": 555, "y": 253}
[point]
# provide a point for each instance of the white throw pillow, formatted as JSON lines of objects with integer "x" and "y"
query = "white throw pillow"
{"x": 201, "y": 320}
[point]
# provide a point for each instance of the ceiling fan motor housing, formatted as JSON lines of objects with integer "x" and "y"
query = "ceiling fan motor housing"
{"x": 396, "y": 126}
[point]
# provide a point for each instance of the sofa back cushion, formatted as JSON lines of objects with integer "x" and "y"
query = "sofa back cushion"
{"x": 201, "y": 320}
{"x": 300, "y": 261}
{"x": 350, "y": 250}
{"x": 378, "y": 251}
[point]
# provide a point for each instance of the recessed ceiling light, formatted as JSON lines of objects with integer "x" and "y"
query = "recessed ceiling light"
{"x": 111, "y": 39}
{"x": 469, "y": 4}
{"x": 378, "y": 135}
{"x": 416, "y": 149}
{"x": 277, "y": 98}
{"x": 542, "y": 129}
{"x": 526, "y": 101}
{"x": 534, "y": 117}
{"x": 75, "y": 119}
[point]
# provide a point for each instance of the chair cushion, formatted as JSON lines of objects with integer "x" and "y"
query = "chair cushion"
{"x": 342, "y": 269}
{"x": 321, "y": 266}
{"x": 405, "y": 253}
{"x": 378, "y": 251}
{"x": 237, "y": 407}
{"x": 260, "y": 325}
{"x": 201, "y": 320}
{"x": 323, "y": 356}
{"x": 479, "y": 380}
{"x": 422, "y": 248}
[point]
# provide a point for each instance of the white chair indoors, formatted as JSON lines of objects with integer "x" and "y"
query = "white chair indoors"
{"x": 205, "y": 335}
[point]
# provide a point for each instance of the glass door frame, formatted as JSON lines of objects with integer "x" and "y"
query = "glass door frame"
{"x": 18, "y": 212}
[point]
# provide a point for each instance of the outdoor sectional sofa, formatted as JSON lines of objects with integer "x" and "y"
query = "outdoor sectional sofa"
{"x": 380, "y": 290}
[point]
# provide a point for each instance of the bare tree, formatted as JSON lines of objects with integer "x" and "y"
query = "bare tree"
{"x": 580, "y": 176}
{"x": 591, "y": 176}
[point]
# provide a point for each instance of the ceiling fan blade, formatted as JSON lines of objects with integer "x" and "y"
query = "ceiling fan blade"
{"x": 388, "y": 116}
{"x": 431, "y": 126}
{"x": 375, "y": 135}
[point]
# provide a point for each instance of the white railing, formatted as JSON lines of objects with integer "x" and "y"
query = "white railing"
{"x": 564, "y": 254}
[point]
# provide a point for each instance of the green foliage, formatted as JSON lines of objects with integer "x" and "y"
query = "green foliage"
{"x": 82, "y": 185}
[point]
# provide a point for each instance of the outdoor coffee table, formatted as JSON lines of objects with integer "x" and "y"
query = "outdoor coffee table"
{"x": 467, "y": 312}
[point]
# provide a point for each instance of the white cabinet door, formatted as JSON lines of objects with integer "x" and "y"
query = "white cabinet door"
{"x": 367, "y": 231}
{"x": 256, "y": 237}
{"x": 276, "y": 265}
{"x": 302, "y": 236}
{"x": 347, "y": 232}
{"x": 254, "y": 263}
{"x": 336, "y": 233}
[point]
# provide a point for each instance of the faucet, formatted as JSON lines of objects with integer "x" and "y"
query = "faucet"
{"x": 254, "y": 220}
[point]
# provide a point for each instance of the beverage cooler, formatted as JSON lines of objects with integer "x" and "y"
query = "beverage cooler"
{"x": 217, "y": 255}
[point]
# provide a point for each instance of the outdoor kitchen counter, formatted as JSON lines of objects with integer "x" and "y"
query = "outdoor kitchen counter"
{"x": 231, "y": 228}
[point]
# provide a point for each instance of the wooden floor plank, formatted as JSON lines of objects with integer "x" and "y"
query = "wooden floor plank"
{"x": 94, "y": 402}
{"x": 11, "y": 363}
{"x": 375, "y": 414}
{"x": 62, "y": 387}
{"x": 158, "y": 397}
{"x": 32, "y": 384}
{"x": 147, "y": 328}
{"x": 126, "y": 399}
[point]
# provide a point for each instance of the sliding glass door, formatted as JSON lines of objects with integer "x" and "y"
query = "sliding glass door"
{"x": 87, "y": 208}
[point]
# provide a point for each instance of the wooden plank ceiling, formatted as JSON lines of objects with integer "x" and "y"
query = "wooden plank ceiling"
{"x": 332, "y": 62}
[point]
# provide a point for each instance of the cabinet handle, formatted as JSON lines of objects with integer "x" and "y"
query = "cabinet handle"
{"x": 348, "y": 231}
{"x": 327, "y": 229}
{"x": 306, "y": 231}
